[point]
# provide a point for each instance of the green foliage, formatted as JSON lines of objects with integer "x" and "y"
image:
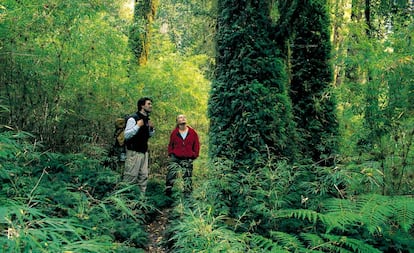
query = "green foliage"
{"x": 269, "y": 217}
{"x": 376, "y": 104}
{"x": 249, "y": 109}
{"x": 177, "y": 86}
{"x": 52, "y": 202}
{"x": 374, "y": 214}
{"x": 57, "y": 84}
{"x": 140, "y": 30}
{"x": 258, "y": 243}
{"x": 69, "y": 74}
{"x": 347, "y": 244}
{"x": 290, "y": 242}
{"x": 189, "y": 25}
{"x": 28, "y": 229}
{"x": 314, "y": 104}
{"x": 205, "y": 233}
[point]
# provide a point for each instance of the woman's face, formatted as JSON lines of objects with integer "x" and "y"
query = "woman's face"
{"x": 181, "y": 119}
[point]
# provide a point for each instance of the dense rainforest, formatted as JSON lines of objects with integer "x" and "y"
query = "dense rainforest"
{"x": 304, "y": 108}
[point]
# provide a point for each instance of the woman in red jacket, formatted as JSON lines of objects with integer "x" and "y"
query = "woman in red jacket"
{"x": 183, "y": 148}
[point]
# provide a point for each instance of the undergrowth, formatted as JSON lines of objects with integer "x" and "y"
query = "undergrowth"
{"x": 51, "y": 202}
{"x": 283, "y": 208}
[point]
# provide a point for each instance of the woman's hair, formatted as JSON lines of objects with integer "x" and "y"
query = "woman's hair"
{"x": 176, "y": 118}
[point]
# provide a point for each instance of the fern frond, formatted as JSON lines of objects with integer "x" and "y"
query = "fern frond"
{"x": 339, "y": 213}
{"x": 286, "y": 240}
{"x": 339, "y": 205}
{"x": 352, "y": 244}
{"x": 313, "y": 240}
{"x": 404, "y": 212}
{"x": 302, "y": 214}
{"x": 262, "y": 244}
{"x": 339, "y": 220}
{"x": 375, "y": 211}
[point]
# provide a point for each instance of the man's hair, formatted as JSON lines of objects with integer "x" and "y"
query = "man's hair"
{"x": 142, "y": 102}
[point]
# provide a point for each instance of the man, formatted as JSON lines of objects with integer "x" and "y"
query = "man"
{"x": 138, "y": 130}
{"x": 183, "y": 148}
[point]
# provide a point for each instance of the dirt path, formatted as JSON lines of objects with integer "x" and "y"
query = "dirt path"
{"x": 156, "y": 231}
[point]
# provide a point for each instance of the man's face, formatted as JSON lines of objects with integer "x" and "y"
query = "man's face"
{"x": 181, "y": 119}
{"x": 147, "y": 106}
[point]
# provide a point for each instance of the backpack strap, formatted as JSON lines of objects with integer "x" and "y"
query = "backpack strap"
{"x": 134, "y": 115}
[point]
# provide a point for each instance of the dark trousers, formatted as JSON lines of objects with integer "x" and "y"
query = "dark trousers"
{"x": 179, "y": 166}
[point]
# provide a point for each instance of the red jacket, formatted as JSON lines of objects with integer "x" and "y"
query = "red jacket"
{"x": 187, "y": 148}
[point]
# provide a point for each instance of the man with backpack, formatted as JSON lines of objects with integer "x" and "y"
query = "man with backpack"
{"x": 138, "y": 130}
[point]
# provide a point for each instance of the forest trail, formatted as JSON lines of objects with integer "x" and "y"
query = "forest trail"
{"x": 156, "y": 232}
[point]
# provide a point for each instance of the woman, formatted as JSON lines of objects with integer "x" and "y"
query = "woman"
{"x": 183, "y": 148}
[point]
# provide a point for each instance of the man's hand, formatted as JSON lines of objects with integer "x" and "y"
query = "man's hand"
{"x": 150, "y": 124}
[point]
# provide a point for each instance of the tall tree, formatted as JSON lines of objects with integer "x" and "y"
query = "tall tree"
{"x": 249, "y": 109}
{"x": 140, "y": 32}
{"x": 311, "y": 76}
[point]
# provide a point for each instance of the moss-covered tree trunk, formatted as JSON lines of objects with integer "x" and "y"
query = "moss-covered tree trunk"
{"x": 311, "y": 77}
{"x": 140, "y": 32}
{"x": 249, "y": 108}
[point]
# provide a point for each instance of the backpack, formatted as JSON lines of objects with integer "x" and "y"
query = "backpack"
{"x": 119, "y": 148}
{"x": 120, "y": 124}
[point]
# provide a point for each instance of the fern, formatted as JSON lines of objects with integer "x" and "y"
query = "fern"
{"x": 288, "y": 241}
{"x": 51, "y": 202}
{"x": 370, "y": 211}
{"x": 339, "y": 205}
{"x": 313, "y": 240}
{"x": 350, "y": 243}
{"x": 375, "y": 211}
{"x": 260, "y": 243}
{"x": 29, "y": 226}
{"x": 340, "y": 213}
{"x": 404, "y": 212}
{"x": 302, "y": 214}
